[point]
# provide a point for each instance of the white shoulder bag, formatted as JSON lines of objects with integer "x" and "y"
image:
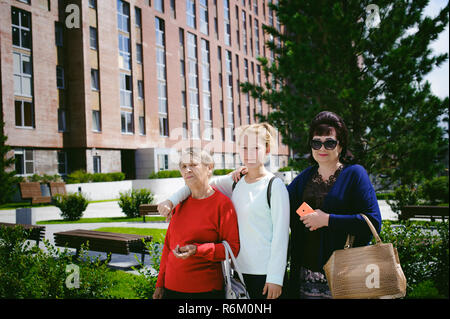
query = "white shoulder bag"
{"x": 234, "y": 287}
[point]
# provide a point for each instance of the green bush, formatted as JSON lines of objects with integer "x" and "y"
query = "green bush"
{"x": 32, "y": 272}
{"x": 222, "y": 171}
{"x": 435, "y": 190}
{"x": 130, "y": 201}
{"x": 165, "y": 174}
{"x": 144, "y": 287}
{"x": 81, "y": 176}
{"x": 403, "y": 195}
{"x": 44, "y": 178}
{"x": 423, "y": 250}
{"x": 72, "y": 205}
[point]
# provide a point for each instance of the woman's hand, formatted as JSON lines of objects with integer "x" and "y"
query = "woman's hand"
{"x": 185, "y": 251}
{"x": 315, "y": 220}
{"x": 273, "y": 290}
{"x": 159, "y": 293}
{"x": 165, "y": 209}
{"x": 238, "y": 173}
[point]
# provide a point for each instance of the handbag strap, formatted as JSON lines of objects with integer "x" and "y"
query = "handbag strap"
{"x": 229, "y": 252}
{"x": 350, "y": 238}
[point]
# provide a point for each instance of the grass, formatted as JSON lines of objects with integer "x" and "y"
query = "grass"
{"x": 157, "y": 234}
{"x": 103, "y": 220}
{"x": 123, "y": 282}
{"x": 9, "y": 206}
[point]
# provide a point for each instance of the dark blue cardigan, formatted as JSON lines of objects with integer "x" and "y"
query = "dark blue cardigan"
{"x": 351, "y": 194}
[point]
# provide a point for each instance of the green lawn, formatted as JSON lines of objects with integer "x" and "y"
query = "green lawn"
{"x": 157, "y": 234}
{"x": 103, "y": 220}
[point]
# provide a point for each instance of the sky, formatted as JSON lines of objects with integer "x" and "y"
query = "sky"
{"x": 439, "y": 76}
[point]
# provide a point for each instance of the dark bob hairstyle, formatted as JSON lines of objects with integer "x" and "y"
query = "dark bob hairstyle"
{"x": 321, "y": 125}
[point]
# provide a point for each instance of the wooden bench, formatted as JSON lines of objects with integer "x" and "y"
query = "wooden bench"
{"x": 32, "y": 191}
{"x": 36, "y": 232}
{"x": 57, "y": 188}
{"x": 431, "y": 212}
{"x": 148, "y": 210}
{"x": 103, "y": 241}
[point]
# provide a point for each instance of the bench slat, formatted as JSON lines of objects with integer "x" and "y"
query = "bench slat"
{"x": 102, "y": 241}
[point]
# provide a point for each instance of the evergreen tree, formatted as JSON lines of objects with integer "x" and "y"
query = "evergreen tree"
{"x": 7, "y": 178}
{"x": 329, "y": 57}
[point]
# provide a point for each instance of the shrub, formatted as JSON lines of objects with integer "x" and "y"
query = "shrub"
{"x": 423, "y": 250}
{"x": 31, "y": 272}
{"x": 144, "y": 287}
{"x": 435, "y": 190}
{"x": 130, "y": 201}
{"x": 72, "y": 205}
{"x": 165, "y": 174}
{"x": 81, "y": 176}
{"x": 403, "y": 195}
{"x": 222, "y": 171}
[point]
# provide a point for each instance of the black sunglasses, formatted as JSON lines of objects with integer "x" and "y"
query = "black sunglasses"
{"x": 329, "y": 144}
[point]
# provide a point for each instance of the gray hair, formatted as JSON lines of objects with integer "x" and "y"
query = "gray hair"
{"x": 197, "y": 153}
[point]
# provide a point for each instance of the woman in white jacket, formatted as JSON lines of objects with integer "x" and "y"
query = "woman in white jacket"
{"x": 263, "y": 222}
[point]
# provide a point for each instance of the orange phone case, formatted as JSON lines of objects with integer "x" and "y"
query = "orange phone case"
{"x": 304, "y": 209}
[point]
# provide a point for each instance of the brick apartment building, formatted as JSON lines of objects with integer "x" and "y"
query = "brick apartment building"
{"x": 113, "y": 85}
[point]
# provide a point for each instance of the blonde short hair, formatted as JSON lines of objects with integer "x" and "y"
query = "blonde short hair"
{"x": 263, "y": 130}
{"x": 197, "y": 153}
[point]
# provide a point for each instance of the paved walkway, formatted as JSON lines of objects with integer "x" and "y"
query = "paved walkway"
{"x": 112, "y": 209}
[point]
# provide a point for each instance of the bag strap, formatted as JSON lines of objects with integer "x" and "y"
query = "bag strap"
{"x": 351, "y": 238}
{"x": 229, "y": 253}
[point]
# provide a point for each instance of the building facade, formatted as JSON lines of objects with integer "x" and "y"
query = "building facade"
{"x": 116, "y": 85}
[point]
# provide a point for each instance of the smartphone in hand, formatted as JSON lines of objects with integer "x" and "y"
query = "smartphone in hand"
{"x": 304, "y": 209}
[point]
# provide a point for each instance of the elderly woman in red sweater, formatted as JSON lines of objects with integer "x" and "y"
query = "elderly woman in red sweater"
{"x": 191, "y": 260}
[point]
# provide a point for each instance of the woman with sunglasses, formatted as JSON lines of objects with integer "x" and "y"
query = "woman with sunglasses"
{"x": 338, "y": 191}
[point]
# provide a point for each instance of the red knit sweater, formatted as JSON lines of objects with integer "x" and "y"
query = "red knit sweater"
{"x": 204, "y": 223}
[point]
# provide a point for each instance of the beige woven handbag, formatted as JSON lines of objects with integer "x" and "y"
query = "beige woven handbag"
{"x": 372, "y": 271}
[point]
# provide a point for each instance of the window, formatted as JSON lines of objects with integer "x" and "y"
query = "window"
{"x": 60, "y": 77}
{"x": 24, "y": 114}
{"x": 139, "y": 53}
{"x": 204, "y": 24}
{"x": 140, "y": 89}
{"x": 125, "y": 90}
{"x": 21, "y": 28}
{"x": 124, "y": 52}
{"x": 97, "y": 163}
{"x": 190, "y": 13}
{"x": 138, "y": 17}
{"x": 161, "y": 77}
{"x": 62, "y": 120}
{"x": 226, "y": 20}
{"x": 24, "y": 161}
{"x": 163, "y": 125}
{"x": 58, "y": 34}
{"x": 141, "y": 125}
{"x": 123, "y": 16}
{"x": 22, "y": 74}
{"x": 93, "y": 38}
{"x": 159, "y": 5}
{"x": 96, "y": 127}
{"x": 127, "y": 122}
{"x": 62, "y": 163}
{"x": 93, "y": 4}
{"x": 94, "y": 80}
{"x": 163, "y": 162}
